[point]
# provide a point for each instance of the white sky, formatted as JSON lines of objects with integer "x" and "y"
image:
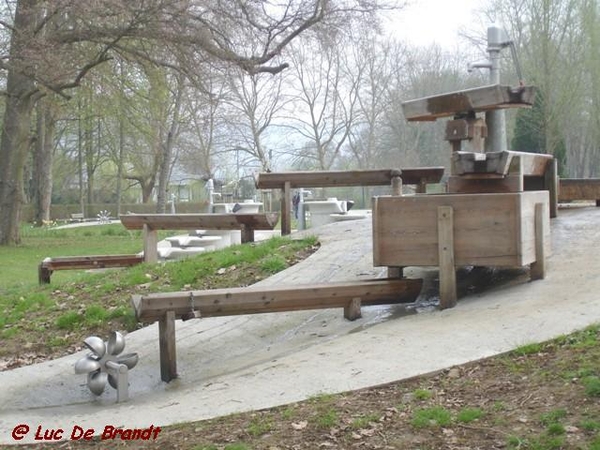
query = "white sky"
{"x": 424, "y": 22}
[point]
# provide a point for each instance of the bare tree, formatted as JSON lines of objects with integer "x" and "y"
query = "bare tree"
{"x": 54, "y": 44}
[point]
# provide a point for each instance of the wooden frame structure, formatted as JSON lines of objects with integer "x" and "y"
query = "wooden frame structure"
{"x": 49, "y": 265}
{"x": 286, "y": 181}
{"x": 167, "y": 307}
{"x": 151, "y": 223}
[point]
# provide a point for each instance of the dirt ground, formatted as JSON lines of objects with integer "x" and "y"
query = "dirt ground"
{"x": 544, "y": 396}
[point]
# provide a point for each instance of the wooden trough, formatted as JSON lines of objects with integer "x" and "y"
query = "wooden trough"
{"x": 579, "y": 189}
{"x": 151, "y": 223}
{"x": 286, "y": 181}
{"x": 453, "y": 230}
{"x": 167, "y": 307}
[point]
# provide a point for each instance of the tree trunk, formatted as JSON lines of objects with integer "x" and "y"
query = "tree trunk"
{"x": 166, "y": 159}
{"x": 14, "y": 141}
{"x": 43, "y": 153}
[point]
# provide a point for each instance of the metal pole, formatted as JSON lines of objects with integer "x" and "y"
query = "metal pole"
{"x": 495, "y": 120}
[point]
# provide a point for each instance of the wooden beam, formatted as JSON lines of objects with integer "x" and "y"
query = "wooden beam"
{"x": 298, "y": 179}
{"x": 168, "y": 351}
{"x": 480, "y": 99}
{"x": 376, "y": 177}
{"x": 48, "y": 265}
{"x": 445, "y": 221}
{"x": 259, "y": 221}
{"x": 254, "y": 300}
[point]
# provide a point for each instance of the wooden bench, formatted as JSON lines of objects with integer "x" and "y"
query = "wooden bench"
{"x": 77, "y": 217}
{"x": 167, "y": 307}
{"x": 49, "y": 265}
{"x": 151, "y": 223}
{"x": 579, "y": 189}
{"x": 286, "y": 181}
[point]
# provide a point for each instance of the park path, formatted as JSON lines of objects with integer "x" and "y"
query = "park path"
{"x": 235, "y": 364}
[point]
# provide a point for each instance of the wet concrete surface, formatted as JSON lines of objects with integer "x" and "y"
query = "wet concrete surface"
{"x": 233, "y": 364}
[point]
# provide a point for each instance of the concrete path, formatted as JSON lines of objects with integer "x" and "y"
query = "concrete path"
{"x": 248, "y": 362}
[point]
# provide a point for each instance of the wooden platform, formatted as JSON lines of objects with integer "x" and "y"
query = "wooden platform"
{"x": 167, "y": 307}
{"x": 480, "y": 99}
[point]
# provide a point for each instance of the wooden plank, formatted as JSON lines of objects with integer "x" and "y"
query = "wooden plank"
{"x": 254, "y": 300}
{"x": 333, "y": 178}
{"x": 487, "y": 230}
{"x": 286, "y": 211}
{"x": 579, "y": 189}
{"x": 479, "y": 99}
{"x": 91, "y": 261}
{"x": 258, "y": 221}
{"x": 538, "y": 268}
{"x": 374, "y": 177}
{"x": 445, "y": 225}
{"x": 166, "y": 341}
{"x": 48, "y": 265}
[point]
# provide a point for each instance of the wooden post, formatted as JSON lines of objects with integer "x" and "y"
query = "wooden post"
{"x": 538, "y": 268}
{"x": 286, "y": 200}
{"x": 396, "y": 272}
{"x": 396, "y": 186}
{"x": 166, "y": 340}
{"x": 43, "y": 274}
{"x": 150, "y": 244}
{"x": 352, "y": 310}
{"x": 446, "y": 257}
{"x": 247, "y": 234}
{"x": 551, "y": 184}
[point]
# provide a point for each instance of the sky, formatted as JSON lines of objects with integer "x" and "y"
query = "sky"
{"x": 424, "y": 22}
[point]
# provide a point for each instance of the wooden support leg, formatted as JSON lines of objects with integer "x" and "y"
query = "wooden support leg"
{"x": 551, "y": 184}
{"x": 150, "y": 244}
{"x": 396, "y": 186}
{"x": 395, "y": 272}
{"x": 44, "y": 274}
{"x": 538, "y": 268}
{"x": 598, "y": 202}
{"x": 352, "y": 310}
{"x": 286, "y": 200}
{"x": 166, "y": 340}
{"x": 446, "y": 257}
{"x": 422, "y": 187}
{"x": 247, "y": 234}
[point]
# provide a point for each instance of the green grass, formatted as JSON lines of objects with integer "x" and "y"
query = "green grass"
{"x": 431, "y": 417}
{"x": 467, "y": 415}
{"x": 422, "y": 394}
{"x": 18, "y": 265}
{"x": 592, "y": 386}
{"x": 364, "y": 421}
{"x": 77, "y": 301}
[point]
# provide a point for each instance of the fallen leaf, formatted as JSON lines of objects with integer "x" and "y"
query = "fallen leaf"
{"x": 299, "y": 425}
